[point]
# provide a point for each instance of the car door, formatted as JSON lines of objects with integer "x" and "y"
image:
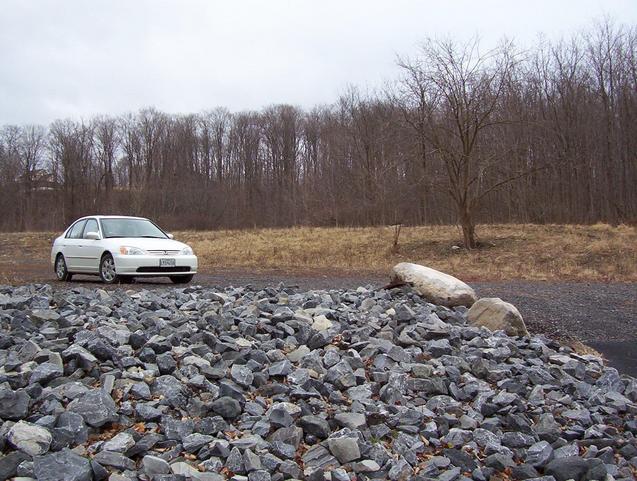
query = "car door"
{"x": 90, "y": 249}
{"x": 72, "y": 250}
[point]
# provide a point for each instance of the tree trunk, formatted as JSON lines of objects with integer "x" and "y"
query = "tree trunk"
{"x": 468, "y": 228}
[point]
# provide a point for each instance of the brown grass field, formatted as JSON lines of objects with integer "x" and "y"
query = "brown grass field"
{"x": 511, "y": 252}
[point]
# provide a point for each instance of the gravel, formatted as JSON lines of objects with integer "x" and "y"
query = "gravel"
{"x": 276, "y": 383}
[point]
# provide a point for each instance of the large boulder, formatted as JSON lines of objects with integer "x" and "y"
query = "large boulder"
{"x": 435, "y": 286}
{"x": 495, "y": 314}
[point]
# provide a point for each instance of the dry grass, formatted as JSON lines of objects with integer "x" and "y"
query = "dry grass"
{"x": 534, "y": 252}
{"x": 539, "y": 252}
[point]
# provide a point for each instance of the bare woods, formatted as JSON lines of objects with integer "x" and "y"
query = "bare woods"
{"x": 462, "y": 135}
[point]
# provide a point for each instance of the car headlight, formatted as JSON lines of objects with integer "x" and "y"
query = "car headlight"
{"x": 132, "y": 251}
{"x": 186, "y": 251}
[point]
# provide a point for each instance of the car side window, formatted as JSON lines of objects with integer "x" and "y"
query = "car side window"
{"x": 76, "y": 230}
{"x": 91, "y": 226}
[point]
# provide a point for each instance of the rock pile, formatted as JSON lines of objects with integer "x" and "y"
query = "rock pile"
{"x": 276, "y": 384}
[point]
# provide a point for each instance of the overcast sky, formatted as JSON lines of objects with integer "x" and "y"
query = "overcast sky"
{"x": 78, "y": 58}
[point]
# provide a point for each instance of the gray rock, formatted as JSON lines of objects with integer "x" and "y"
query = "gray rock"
{"x": 196, "y": 441}
{"x": 260, "y": 475}
{"x": 226, "y": 407}
{"x": 64, "y": 465}
{"x": 234, "y": 462}
{"x": 351, "y": 420}
{"x": 281, "y": 368}
{"x": 140, "y": 390}
{"x": 241, "y": 375}
{"x": 315, "y": 426}
{"x": 578, "y": 415}
{"x": 70, "y": 429}
{"x": 439, "y": 347}
{"x": 29, "y": 438}
{"x": 184, "y": 469}
{"x": 146, "y": 412}
{"x": 460, "y": 459}
{"x": 9, "y": 464}
{"x": 120, "y": 443}
{"x": 96, "y": 407}
{"x": 366, "y": 466}
{"x": 457, "y": 437}
{"x": 283, "y": 450}
{"x": 166, "y": 363}
{"x": 344, "y": 449}
{"x": 298, "y": 354}
{"x": 341, "y": 375}
{"x": 113, "y": 459}
{"x": 400, "y": 470}
{"x": 340, "y": 475}
{"x": 318, "y": 457}
{"x": 251, "y": 461}
{"x": 563, "y": 469}
{"x": 566, "y": 451}
{"x": 154, "y": 465}
{"x": 45, "y": 315}
{"x": 45, "y": 372}
{"x": 524, "y": 471}
{"x": 172, "y": 391}
{"x": 449, "y": 474}
{"x": 539, "y": 454}
{"x": 517, "y": 440}
{"x": 499, "y": 461}
{"x": 14, "y": 404}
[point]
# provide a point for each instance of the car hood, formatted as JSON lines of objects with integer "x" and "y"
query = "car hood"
{"x": 146, "y": 244}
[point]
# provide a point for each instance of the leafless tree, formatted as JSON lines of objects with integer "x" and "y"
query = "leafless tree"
{"x": 456, "y": 90}
{"x": 461, "y": 136}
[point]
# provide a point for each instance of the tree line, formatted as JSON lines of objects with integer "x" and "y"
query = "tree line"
{"x": 462, "y": 135}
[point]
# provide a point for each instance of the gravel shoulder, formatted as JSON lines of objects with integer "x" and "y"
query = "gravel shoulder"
{"x": 214, "y": 383}
{"x": 601, "y": 315}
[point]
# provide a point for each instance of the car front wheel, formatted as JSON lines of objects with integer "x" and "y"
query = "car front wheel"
{"x": 181, "y": 279}
{"x": 61, "y": 271}
{"x": 107, "y": 269}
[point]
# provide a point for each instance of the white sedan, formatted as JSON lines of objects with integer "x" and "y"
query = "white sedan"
{"x": 120, "y": 248}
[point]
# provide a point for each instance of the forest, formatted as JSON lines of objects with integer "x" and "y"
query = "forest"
{"x": 462, "y": 134}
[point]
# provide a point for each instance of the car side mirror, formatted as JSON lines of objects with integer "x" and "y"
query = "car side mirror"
{"x": 170, "y": 236}
{"x": 92, "y": 235}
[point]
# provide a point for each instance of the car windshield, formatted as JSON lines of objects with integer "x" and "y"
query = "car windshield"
{"x": 131, "y": 228}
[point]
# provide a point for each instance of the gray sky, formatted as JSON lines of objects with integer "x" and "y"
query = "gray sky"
{"x": 78, "y": 58}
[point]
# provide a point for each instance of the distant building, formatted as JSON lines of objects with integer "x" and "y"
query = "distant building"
{"x": 41, "y": 180}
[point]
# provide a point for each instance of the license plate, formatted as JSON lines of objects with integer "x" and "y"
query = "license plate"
{"x": 166, "y": 262}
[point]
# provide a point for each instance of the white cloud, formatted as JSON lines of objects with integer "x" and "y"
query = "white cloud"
{"x": 79, "y": 58}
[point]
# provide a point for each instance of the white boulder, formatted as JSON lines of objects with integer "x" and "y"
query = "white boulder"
{"x": 497, "y": 315}
{"x": 435, "y": 286}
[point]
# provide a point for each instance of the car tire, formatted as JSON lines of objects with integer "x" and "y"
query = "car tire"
{"x": 61, "y": 272}
{"x": 107, "y": 269}
{"x": 181, "y": 279}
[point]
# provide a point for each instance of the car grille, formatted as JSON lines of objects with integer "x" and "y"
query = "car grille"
{"x": 163, "y": 253}
{"x": 163, "y": 269}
